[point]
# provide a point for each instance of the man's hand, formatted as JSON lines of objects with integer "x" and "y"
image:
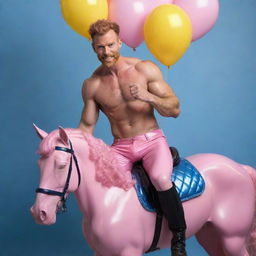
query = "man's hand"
{"x": 140, "y": 93}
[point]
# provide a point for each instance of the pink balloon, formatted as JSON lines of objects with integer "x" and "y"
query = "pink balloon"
{"x": 203, "y": 15}
{"x": 130, "y": 15}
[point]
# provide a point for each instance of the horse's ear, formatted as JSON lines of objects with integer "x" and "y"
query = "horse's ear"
{"x": 63, "y": 135}
{"x": 41, "y": 134}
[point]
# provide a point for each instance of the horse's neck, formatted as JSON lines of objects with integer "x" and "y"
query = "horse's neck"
{"x": 92, "y": 196}
{"x": 95, "y": 199}
{"x": 90, "y": 191}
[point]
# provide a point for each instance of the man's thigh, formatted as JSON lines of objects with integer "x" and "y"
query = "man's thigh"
{"x": 157, "y": 161}
{"x": 123, "y": 155}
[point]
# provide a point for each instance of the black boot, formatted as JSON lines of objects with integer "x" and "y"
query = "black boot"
{"x": 178, "y": 243}
{"x": 173, "y": 212}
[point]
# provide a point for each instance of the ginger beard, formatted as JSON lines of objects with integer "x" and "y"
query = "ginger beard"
{"x": 109, "y": 60}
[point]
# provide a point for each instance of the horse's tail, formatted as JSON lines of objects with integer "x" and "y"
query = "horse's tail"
{"x": 251, "y": 241}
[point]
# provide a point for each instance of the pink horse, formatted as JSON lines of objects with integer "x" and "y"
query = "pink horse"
{"x": 115, "y": 223}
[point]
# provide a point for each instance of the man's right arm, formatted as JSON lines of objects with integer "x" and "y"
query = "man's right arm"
{"x": 90, "y": 111}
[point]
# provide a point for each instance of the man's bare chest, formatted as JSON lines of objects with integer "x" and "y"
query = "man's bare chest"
{"x": 114, "y": 91}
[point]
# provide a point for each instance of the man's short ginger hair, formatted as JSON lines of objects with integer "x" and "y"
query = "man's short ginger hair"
{"x": 101, "y": 27}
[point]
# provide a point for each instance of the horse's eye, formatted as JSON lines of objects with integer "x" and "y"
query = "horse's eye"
{"x": 61, "y": 160}
{"x": 61, "y": 164}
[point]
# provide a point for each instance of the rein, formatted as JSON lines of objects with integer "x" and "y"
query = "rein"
{"x": 62, "y": 206}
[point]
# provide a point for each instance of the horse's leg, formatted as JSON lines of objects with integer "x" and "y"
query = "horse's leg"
{"x": 132, "y": 252}
{"x": 217, "y": 244}
{"x": 126, "y": 252}
{"x": 235, "y": 246}
{"x": 210, "y": 240}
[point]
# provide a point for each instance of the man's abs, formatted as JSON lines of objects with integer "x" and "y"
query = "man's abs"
{"x": 127, "y": 123}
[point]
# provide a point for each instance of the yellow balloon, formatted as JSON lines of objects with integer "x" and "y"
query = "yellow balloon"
{"x": 168, "y": 33}
{"x": 80, "y": 14}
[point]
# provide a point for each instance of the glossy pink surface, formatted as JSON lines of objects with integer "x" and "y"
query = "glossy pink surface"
{"x": 202, "y": 13}
{"x": 131, "y": 15}
{"x": 115, "y": 224}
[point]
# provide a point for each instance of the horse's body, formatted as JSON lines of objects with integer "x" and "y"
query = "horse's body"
{"x": 115, "y": 223}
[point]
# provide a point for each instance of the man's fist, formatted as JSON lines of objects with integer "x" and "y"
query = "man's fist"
{"x": 140, "y": 93}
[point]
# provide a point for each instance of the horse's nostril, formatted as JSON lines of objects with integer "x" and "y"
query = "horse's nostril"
{"x": 42, "y": 215}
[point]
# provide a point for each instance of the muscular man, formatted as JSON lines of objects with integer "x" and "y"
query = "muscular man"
{"x": 127, "y": 90}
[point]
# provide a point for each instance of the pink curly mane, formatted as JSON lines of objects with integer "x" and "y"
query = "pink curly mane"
{"x": 107, "y": 169}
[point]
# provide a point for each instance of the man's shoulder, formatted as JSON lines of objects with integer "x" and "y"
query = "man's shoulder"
{"x": 91, "y": 81}
{"x": 90, "y": 86}
{"x": 146, "y": 64}
{"x": 95, "y": 77}
{"x": 147, "y": 68}
{"x": 131, "y": 60}
{"x": 141, "y": 65}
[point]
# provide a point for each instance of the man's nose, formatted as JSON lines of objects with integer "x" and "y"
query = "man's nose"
{"x": 106, "y": 50}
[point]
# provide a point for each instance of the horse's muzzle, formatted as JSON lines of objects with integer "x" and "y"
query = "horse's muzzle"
{"x": 42, "y": 217}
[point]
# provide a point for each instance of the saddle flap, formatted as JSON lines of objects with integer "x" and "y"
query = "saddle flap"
{"x": 188, "y": 181}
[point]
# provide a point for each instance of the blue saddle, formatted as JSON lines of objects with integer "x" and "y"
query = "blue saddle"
{"x": 188, "y": 181}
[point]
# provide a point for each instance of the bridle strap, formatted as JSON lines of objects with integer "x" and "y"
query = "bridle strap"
{"x": 68, "y": 150}
{"x": 63, "y": 193}
{"x": 76, "y": 162}
{"x": 49, "y": 192}
{"x": 68, "y": 179}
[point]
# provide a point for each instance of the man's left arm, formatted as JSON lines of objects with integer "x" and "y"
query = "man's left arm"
{"x": 159, "y": 94}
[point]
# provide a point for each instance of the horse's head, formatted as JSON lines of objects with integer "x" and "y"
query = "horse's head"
{"x": 60, "y": 175}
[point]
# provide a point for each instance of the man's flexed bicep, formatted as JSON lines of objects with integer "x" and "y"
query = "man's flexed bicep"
{"x": 90, "y": 111}
{"x": 159, "y": 94}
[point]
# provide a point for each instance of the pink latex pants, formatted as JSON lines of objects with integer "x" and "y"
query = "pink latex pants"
{"x": 152, "y": 148}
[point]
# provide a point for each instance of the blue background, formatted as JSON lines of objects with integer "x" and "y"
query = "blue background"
{"x": 43, "y": 64}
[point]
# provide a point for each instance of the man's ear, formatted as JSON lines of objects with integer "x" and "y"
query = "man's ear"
{"x": 93, "y": 46}
{"x": 120, "y": 42}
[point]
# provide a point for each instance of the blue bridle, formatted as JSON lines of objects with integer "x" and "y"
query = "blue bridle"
{"x": 62, "y": 206}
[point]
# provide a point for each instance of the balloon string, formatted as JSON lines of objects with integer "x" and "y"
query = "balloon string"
{"x": 166, "y": 74}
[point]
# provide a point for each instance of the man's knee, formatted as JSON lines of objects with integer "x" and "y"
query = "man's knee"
{"x": 161, "y": 182}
